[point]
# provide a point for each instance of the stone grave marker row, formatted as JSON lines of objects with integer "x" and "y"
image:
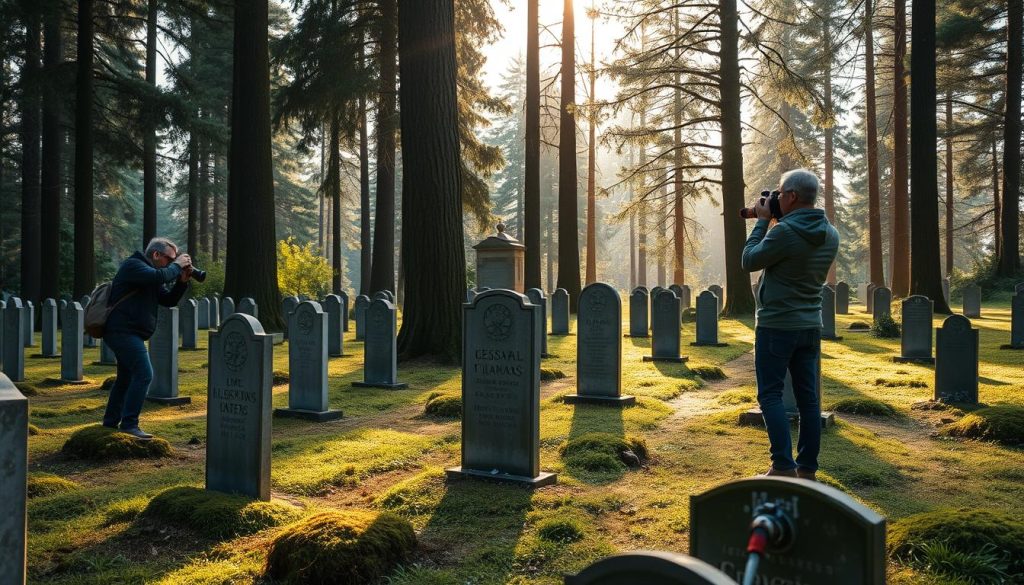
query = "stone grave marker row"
{"x": 599, "y": 348}
{"x": 537, "y": 297}
{"x": 916, "y": 333}
{"x": 380, "y": 351}
{"x": 956, "y": 361}
{"x": 49, "y": 333}
{"x": 71, "y": 348}
{"x": 560, "y": 312}
{"x": 14, "y": 350}
{"x": 163, "y": 355}
{"x": 708, "y": 308}
{"x": 307, "y": 365}
{"x": 638, "y": 321}
{"x": 665, "y": 321}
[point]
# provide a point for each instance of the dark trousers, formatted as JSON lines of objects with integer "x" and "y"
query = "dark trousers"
{"x": 775, "y": 352}
{"x": 134, "y": 373}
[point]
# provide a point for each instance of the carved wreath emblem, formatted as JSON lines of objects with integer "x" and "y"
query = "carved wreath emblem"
{"x": 304, "y": 321}
{"x": 236, "y": 351}
{"x": 596, "y": 301}
{"x": 498, "y": 322}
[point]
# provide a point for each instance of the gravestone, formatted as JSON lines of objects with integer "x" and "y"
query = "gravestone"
{"x": 14, "y": 350}
{"x": 1016, "y": 322}
{"x": 227, "y": 308}
{"x": 71, "y": 349}
{"x": 881, "y": 306}
{"x": 828, "y": 314}
{"x": 107, "y": 357}
{"x": 870, "y": 302}
{"x": 754, "y": 416}
{"x": 380, "y": 353}
{"x": 344, "y": 310}
{"x": 1018, "y": 288}
{"x": 501, "y": 390}
{"x": 599, "y": 348}
{"x": 956, "y": 361}
{"x": 678, "y": 290}
{"x": 203, "y": 311}
{"x": 28, "y": 317}
{"x": 383, "y": 295}
{"x": 335, "y": 337}
{"x": 163, "y": 355}
{"x": 288, "y": 305}
{"x": 307, "y": 365}
{"x": 470, "y": 295}
{"x": 49, "y": 311}
{"x": 665, "y": 321}
{"x": 655, "y": 291}
{"x": 719, "y": 295}
{"x": 684, "y": 297}
{"x": 537, "y": 297}
{"x": 972, "y": 301}
{"x": 945, "y": 289}
{"x": 916, "y": 332}
{"x": 862, "y": 293}
{"x": 189, "y": 323}
{"x": 638, "y": 323}
{"x": 649, "y": 568}
{"x": 249, "y": 307}
{"x": 88, "y": 340}
{"x": 215, "y": 313}
{"x": 238, "y": 408}
{"x": 842, "y": 298}
{"x": 707, "y": 320}
{"x": 62, "y": 304}
{"x": 499, "y": 262}
{"x": 362, "y": 303}
{"x": 826, "y": 536}
{"x": 3, "y": 325}
{"x": 13, "y": 483}
{"x": 560, "y": 312}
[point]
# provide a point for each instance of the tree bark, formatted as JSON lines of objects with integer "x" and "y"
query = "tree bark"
{"x": 949, "y": 183}
{"x": 899, "y": 258}
{"x": 432, "y": 240}
{"x": 997, "y": 204}
{"x": 51, "y": 181}
{"x": 251, "y": 263}
{"x": 1009, "y": 261}
{"x": 365, "y": 233}
{"x": 334, "y": 192}
{"x": 925, "y": 268}
{"x": 30, "y": 160}
{"x": 568, "y": 215}
{"x": 192, "y": 222}
{"x": 875, "y": 272}
{"x": 531, "y": 168}
{"x": 149, "y": 138}
{"x": 829, "y": 154}
{"x": 215, "y": 248}
{"x": 204, "y": 201}
{"x": 591, "y": 165}
{"x": 641, "y": 210}
{"x": 632, "y": 251}
{"x": 382, "y": 273}
{"x": 85, "y": 262}
{"x": 679, "y": 231}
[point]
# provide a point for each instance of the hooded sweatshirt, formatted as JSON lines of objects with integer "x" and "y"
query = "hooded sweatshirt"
{"x": 154, "y": 286}
{"x": 795, "y": 255}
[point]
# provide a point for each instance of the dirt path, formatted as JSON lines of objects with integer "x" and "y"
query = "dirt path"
{"x": 739, "y": 372}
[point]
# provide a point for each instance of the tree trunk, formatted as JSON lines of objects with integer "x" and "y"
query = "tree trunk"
{"x": 632, "y": 251}
{"x": 1009, "y": 261}
{"x": 204, "y": 200}
{"x": 997, "y": 204}
{"x": 591, "y": 165}
{"x": 531, "y": 168}
{"x": 192, "y": 222}
{"x": 382, "y": 273}
{"x": 568, "y": 229}
{"x": 215, "y": 249}
{"x": 432, "y": 240}
{"x": 52, "y": 154}
{"x": 549, "y": 227}
{"x": 85, "y": 262}
{"x": 334, "y": 193}
{"x": 899, "y": 258}
{"x": 739, "y": 298}
{"x": 365, "y": 233}
{"x": 875, "y": 272}
{"x": 30, "y": 160}
{"x": 149, "y": 141}
{"x": 925, "y": 268}
{"x": 251, "y": 263}
{"x": 641, "y": 209}
{"x": 830, "y": 205}
{"x": 949, "y": 183}
{"x": 679, "y": 233}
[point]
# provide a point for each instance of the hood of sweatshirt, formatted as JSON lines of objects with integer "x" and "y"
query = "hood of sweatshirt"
{"x": 809, "y": 224}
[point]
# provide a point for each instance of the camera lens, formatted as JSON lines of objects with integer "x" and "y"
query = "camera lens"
{"x": 198, "y": 275}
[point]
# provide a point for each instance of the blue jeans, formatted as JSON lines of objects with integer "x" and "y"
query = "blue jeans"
{"x": 134, "y": 373}
{"x": 799, "y": 352}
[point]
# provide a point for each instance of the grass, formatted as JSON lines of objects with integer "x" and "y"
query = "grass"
{"x": 867, "y": 406}
{"x": 217, "y": 515}
{"x": 1002, "y": 423}
{"x": 99, "y": 443}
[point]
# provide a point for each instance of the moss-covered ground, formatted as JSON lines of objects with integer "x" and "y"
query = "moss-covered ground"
{"x": 388, "y": 455}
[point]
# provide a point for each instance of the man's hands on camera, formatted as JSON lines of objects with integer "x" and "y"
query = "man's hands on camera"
{"x": 185, "y": 261}
{"x": 761, "y": 208}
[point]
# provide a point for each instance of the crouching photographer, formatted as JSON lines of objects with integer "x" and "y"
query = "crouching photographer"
{"x": 795, "y": 254}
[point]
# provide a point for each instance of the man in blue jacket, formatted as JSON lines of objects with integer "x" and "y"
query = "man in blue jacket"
{"x": 795, "y": 255}
{"x": 158, "y": 277}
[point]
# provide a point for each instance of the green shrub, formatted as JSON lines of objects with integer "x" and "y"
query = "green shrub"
{"x": 302, "y": 270}
{"x": 99, "y": 442}
{"x": 547, "y": 374}
{"x": 596, "y": 451}
{"x": 563, "y": 530}
{"x": 47, "y": 484}
{"x": 966, "y": 531}
{"x": 708, "y": 373}
{"x": 218, "y": 515}
{"x": 983, "y": 567}
{"x": 1003, "y": 423}
{"x": 886, "y": 327}
{"x": 863, "y": 405}
{"x": 340, "y": 548}
{"x": 444, "y": 405}
{"x": 859, "y": 326}
{"x": 214, "y": 282}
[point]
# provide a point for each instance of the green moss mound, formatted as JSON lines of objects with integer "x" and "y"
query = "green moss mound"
{"x": 886, "y": 327}
{"x": 547, "y": 374}
{"x": 604, "y": 452}
{"x": 99, "y": 442}
{"x": 561, "y": 530}
{"x": 709, "y": 373}
{"x": 33, "y": 430}
{"x": 108, "y": 383}
{"x": 340, "y": 548}
{"x": 218, "y": 515}
{"x": 444, "y": 405}
{"x": 961, "y": 532}
{"x": 859, "y": 326}
{"x": 689, "y": 315}
{"x": 892, "y": 383}
{"x": 863, "y": 405}
{"x": 281, "y": 377}
{"x": 27, "y": 389}
{"x": 735, "y": 397}
{"x": 47, "y": 484}
{"x": 1002, "y": 423}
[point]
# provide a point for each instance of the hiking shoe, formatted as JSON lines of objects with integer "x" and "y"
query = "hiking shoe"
{"x": 138, "y": 433}
{"x": 780, "y": 472}
{"x": 807, "y": 474}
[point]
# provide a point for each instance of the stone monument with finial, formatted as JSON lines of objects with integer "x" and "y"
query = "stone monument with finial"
{"x": 499, "y": 262}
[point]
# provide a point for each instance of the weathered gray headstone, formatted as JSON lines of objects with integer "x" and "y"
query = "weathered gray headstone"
{"x": 665, "y": 322}
{"x": 49, "y": 316}
{"x": 707, "y": 320}
{"x": 28, "y": 317}
{"x": 678, "y": 290}
{"x": 501, "y": 390}
{"x": 882, "y": 303}
{"x": 638, "y": 323}
{"x": 71, "y": 349}
{"x": 684, "y": 297}
{"x": 307, "y": 365}
{"x": 870, "y": 302}
{"x": 655, "y": 291}
{"x": 862, "y": 293}
{"x": 13, "y": 483}
{"x": 163, "y": 355}
{"x": 945, "y": 289}
{"x": 238, "y": 408}
{"x": 599, "y": 348}
{"x": 560, "y": 312}
{"x": 380, "y": 353}
{"x": 719, "y": 295}
{"x": 538, "y": 298}
{"x": 189, "y": 323}
{"x": 288, "y": 305}
{"x": 842, "y": 298}
{"x": 249, "y": 307}
{"x": 381, "y": 294}
{"x": 972, "y": 301}
{"x": 828, "y": 314}
{"x": 335, "y": 336}
{"x": 62, "y": 304}
{"x": 916, "y": 332}
{"x": 362, "y": 303}
{"x": 956, "y": 361}
{"x": 107, "y": 357}
{"x": 227, "y": 308}
{"x": 831, "y": 538}
{"x": 203, "y": 311}
{"x": 214, "y": 313}
{"x": 649, "y": 568}
{"x": 1016, "y": 322}
{"x": 344, "y": 310}
{"x": 14, "y": 350}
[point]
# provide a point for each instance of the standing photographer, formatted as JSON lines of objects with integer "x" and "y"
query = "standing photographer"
{"x": 142, "y": 282}
{"x": 795, "y": 254}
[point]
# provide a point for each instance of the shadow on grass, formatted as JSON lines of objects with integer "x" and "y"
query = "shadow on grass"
{"x": 595, "y": 418}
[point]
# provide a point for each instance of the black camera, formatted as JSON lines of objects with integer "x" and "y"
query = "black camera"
{"x": 198, "y": 275}
{"x": 770, "y": 198}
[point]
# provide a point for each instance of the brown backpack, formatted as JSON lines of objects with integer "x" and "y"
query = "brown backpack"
{"x": 98, "y": 310}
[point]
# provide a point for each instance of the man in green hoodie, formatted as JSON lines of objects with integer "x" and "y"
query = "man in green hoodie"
{"x": 795, "y": 254}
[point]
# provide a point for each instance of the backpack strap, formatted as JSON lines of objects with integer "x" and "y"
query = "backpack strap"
{"x": 121, "y": 300}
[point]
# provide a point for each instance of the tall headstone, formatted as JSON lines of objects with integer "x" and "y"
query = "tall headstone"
{"x": 870, "y": 302}
{"x": 189, "y": 323}
{"x": 501, "y": 390}
{"x": 163, "y": 355}
{"x": 655, "y": 291}
{"x": 203, "y": 312}
{"x": 344, "y": 309}
{"x": 862, "y": 293}
{"x": 665, "y": 322}
{"x": 599, "y": 348}
{"x": 638, "y": 322}
{"x": 649, "y": 568}
{"x": 107, "y": 357}
{"x": 881, "y": 304}
{"x": 362, "y": 303}
{"x": 945, "y": 289}
{"x": 956, "y": 361}
{"x": 972, "y": 301}
{"x": 28, "y": 317}
{"x": 684, "y": 297}
{"x": 537, "y": 297}
{"x": 335, "y": 336}
{"x": 62, "y": 304}
{"x": 13, "y": 483}
{"x": 71, "y": 348}
{"x": 828, "y": 314}
{"x": 380, "y": 353}
{"x": 470, "y": 295}
{"x": 49, "y": 311}
{"x": 383, "y": 295}
{"x": 88, "y": 340}
{"x": 227, "y": 308}
{"x": 238, "y": 408}
{"x": 1016, "y": 322}
{"x": 214, "y": 313}
{"x": 307, "y": 365}
{"x": 916, "y": 332}
{"x": 248, "y": 306}
{"x": 288, "y": 305}
{"x": 842, "y": 298}
{"x": 14, "y": 336}
{"x": 560, "y": 312}
{"x": 707, "y": 320}
{"x": 499, "y": 262}
{"x": 719, "y": 295}
{"x": 678, "y": 290}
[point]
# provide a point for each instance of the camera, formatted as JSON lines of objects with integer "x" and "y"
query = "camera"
{"x": 769, "y": 198}
{"x": 198, "y": 275}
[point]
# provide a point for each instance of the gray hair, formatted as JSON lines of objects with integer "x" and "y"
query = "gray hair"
{"x": 803, "y": 182}
{"x": 161, "y": 245}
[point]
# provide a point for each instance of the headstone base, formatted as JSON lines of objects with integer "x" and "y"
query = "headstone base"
{"x": 312, "y": 415}
{"x": 39, "y": 356}
{"x": 675, "y": 360}
{"x": 700, "y": 344}
{"x": 338, "y": 355}
{"x": 867, "y": 330}
{"x": 183, "y": 348}
{"x": 621, "y": 401}
{"x": 545, "y": 355}
{"x": 397, "y": 386}
{"x": 914, "y": 360}
{"x": 637, "y": 336}
{"x": 176, "y": 401}
{"x": 561, "y": 335}
{"x": 541, "y": 480}
{"x": 104, "y": 363}
{"x": 278, "y": 338}
{"x": 64, "y": 382}
{"x": 1010, "y": 346}
{"x": 754, "y": 418}
{"x": 832, "y": 337}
